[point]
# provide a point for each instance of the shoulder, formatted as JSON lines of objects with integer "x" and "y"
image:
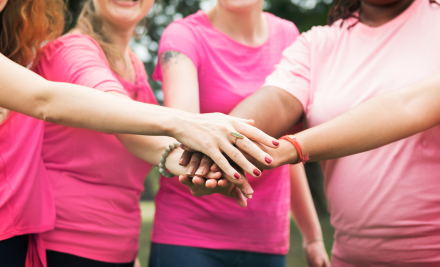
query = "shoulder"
{"x": 191, "y": 25}
{"x": 281, "y": 24}
{"x": 72, "y": 47}
{"x": 327, "y": 34}
{"x": 72, "y": 41}
{"x": 281, "y": 29}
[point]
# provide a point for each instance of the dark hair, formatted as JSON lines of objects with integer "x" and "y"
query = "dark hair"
{"x": 344, "y": 9}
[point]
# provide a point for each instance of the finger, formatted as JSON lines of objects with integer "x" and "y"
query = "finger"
{"x": 239, "y": 197}
{"x": 254, "y": 151}
{"x": 257, "y": 135}
{"x": 211, "y": 183}
{"x": 187, "y": 148}
{"x": 229, "y": 172}
{"x": 205, "y": 166}
{"x": 214, "y": 175}
{"x": 185, "y": 158}
{"x": 198, "y": 181}
{"x": 240, "y": 159}
{"x": 247, "y": 121}
{"x": 194, "y": 163}
{"x": 184, "y": 179}
{"x": 215, "y": 168}
{"x": 222, "y": 183}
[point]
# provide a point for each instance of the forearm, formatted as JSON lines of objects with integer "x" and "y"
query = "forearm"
{"x": 150, "y": 149}
{"x": 147, "y": 148}
{"x": 377, "y": 122}
{"x": 23, "y": 91}
{"x": 274, "y": 110}
{"x": 104, "y": 112}
{"x": 302, "y": 207}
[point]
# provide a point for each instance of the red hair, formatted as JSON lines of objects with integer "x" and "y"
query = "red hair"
{"x": 26, "y": 25}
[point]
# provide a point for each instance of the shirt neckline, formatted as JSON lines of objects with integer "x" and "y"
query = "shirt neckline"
{"x": 392, "y": 23}
{"x": 209, "y": 24}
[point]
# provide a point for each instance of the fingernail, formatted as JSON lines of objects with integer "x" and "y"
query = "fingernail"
{"x": 275, "y": 143}
{"x": 200, "y": 171}
{"x": 257, "y": 172}
{"x": 182, "y": 146}
{"x": 236, "y": 176}
{"x": 248, "y": 190}
{"x": 190, "y": 170}
{"x": 181, "y": 161}
{"x": 268, "y": 160}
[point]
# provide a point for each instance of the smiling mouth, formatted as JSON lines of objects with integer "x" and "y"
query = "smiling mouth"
{"x": 126, "y": 2}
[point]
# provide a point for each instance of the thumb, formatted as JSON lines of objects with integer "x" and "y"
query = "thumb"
{"x": 238, "y": 195}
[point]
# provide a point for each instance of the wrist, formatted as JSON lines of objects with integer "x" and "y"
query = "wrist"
{"x": 286, "y": 153}
{"x": 311, "y": 241}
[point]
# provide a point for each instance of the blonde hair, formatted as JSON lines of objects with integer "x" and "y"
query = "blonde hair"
{"x": 91, "y": 24}
{"x": 26, "y": 25}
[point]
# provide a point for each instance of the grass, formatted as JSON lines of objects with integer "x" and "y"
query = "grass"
{"x": 295, "y": 257}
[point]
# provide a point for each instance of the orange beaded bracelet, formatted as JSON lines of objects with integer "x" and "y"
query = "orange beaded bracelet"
{"x": 298, "y": 147}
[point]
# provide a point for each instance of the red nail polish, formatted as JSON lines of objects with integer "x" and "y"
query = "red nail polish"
{"x": 275, "y": 143}
{"x": 268, "y": 160}
{"x": 257, "y": 172}
{"x": 236, "y": 176}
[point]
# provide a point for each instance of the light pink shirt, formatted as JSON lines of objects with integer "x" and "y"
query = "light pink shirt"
{"x": 385, "y": 203}
{"x": 228, "y": 72}
{"x": 97, "y": 183}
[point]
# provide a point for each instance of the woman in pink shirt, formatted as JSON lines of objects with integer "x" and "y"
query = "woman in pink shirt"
{"x": 97, "y": 182}
{"x": 384, "y": 203}
{"x": 209, "y": 62}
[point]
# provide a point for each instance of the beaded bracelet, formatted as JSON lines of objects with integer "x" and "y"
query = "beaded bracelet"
{"x": 165, "y": 153}
{"x": 298, "y": 147}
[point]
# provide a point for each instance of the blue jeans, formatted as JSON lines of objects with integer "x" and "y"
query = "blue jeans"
{"x": 162, "y": 255}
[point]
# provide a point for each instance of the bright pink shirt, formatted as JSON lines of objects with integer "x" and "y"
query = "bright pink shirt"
{"x": 228, "y": 72}
{"x": 26, "y": 198}
{"x": 385, "y": 203}
{"x": 97, "y": 183}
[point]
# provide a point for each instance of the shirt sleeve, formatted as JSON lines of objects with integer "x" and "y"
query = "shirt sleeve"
{"x": 79, "y": 60}
{"x": 292, "y": 74}
{"x": 180, "y": 38}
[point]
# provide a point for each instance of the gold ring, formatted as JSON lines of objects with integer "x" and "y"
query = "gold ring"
{"x": 237, "y": 136}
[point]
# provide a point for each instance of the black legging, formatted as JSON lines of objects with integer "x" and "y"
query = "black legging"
{"x": 59, "y": 259}
{"x": 13, "y": 251}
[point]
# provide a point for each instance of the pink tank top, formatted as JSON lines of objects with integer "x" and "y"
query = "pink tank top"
{"x": 97, "y": 183}
{"x": 228, "y": 72}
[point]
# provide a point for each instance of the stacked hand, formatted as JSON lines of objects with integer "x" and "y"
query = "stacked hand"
{"x": 198, "y": 166}
{"x": 211, "y": 142}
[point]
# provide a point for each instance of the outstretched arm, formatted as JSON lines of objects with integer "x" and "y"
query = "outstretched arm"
{"x": 72, "y": 105}
{"x": 379, "y": 121}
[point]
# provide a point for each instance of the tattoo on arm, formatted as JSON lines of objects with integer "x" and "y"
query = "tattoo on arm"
{"x": 170, "y": 57}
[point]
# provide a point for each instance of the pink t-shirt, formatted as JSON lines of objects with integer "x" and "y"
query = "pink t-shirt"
{"x": 228, "y": 72}
{"x": 97, "y": 183}
{"x": 26, "y": 198}
{"x": 385, "y": 203}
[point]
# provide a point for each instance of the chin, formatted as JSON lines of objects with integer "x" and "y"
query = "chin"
{"x": 239, "y": 6}
{"x": 125, "y": 12}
